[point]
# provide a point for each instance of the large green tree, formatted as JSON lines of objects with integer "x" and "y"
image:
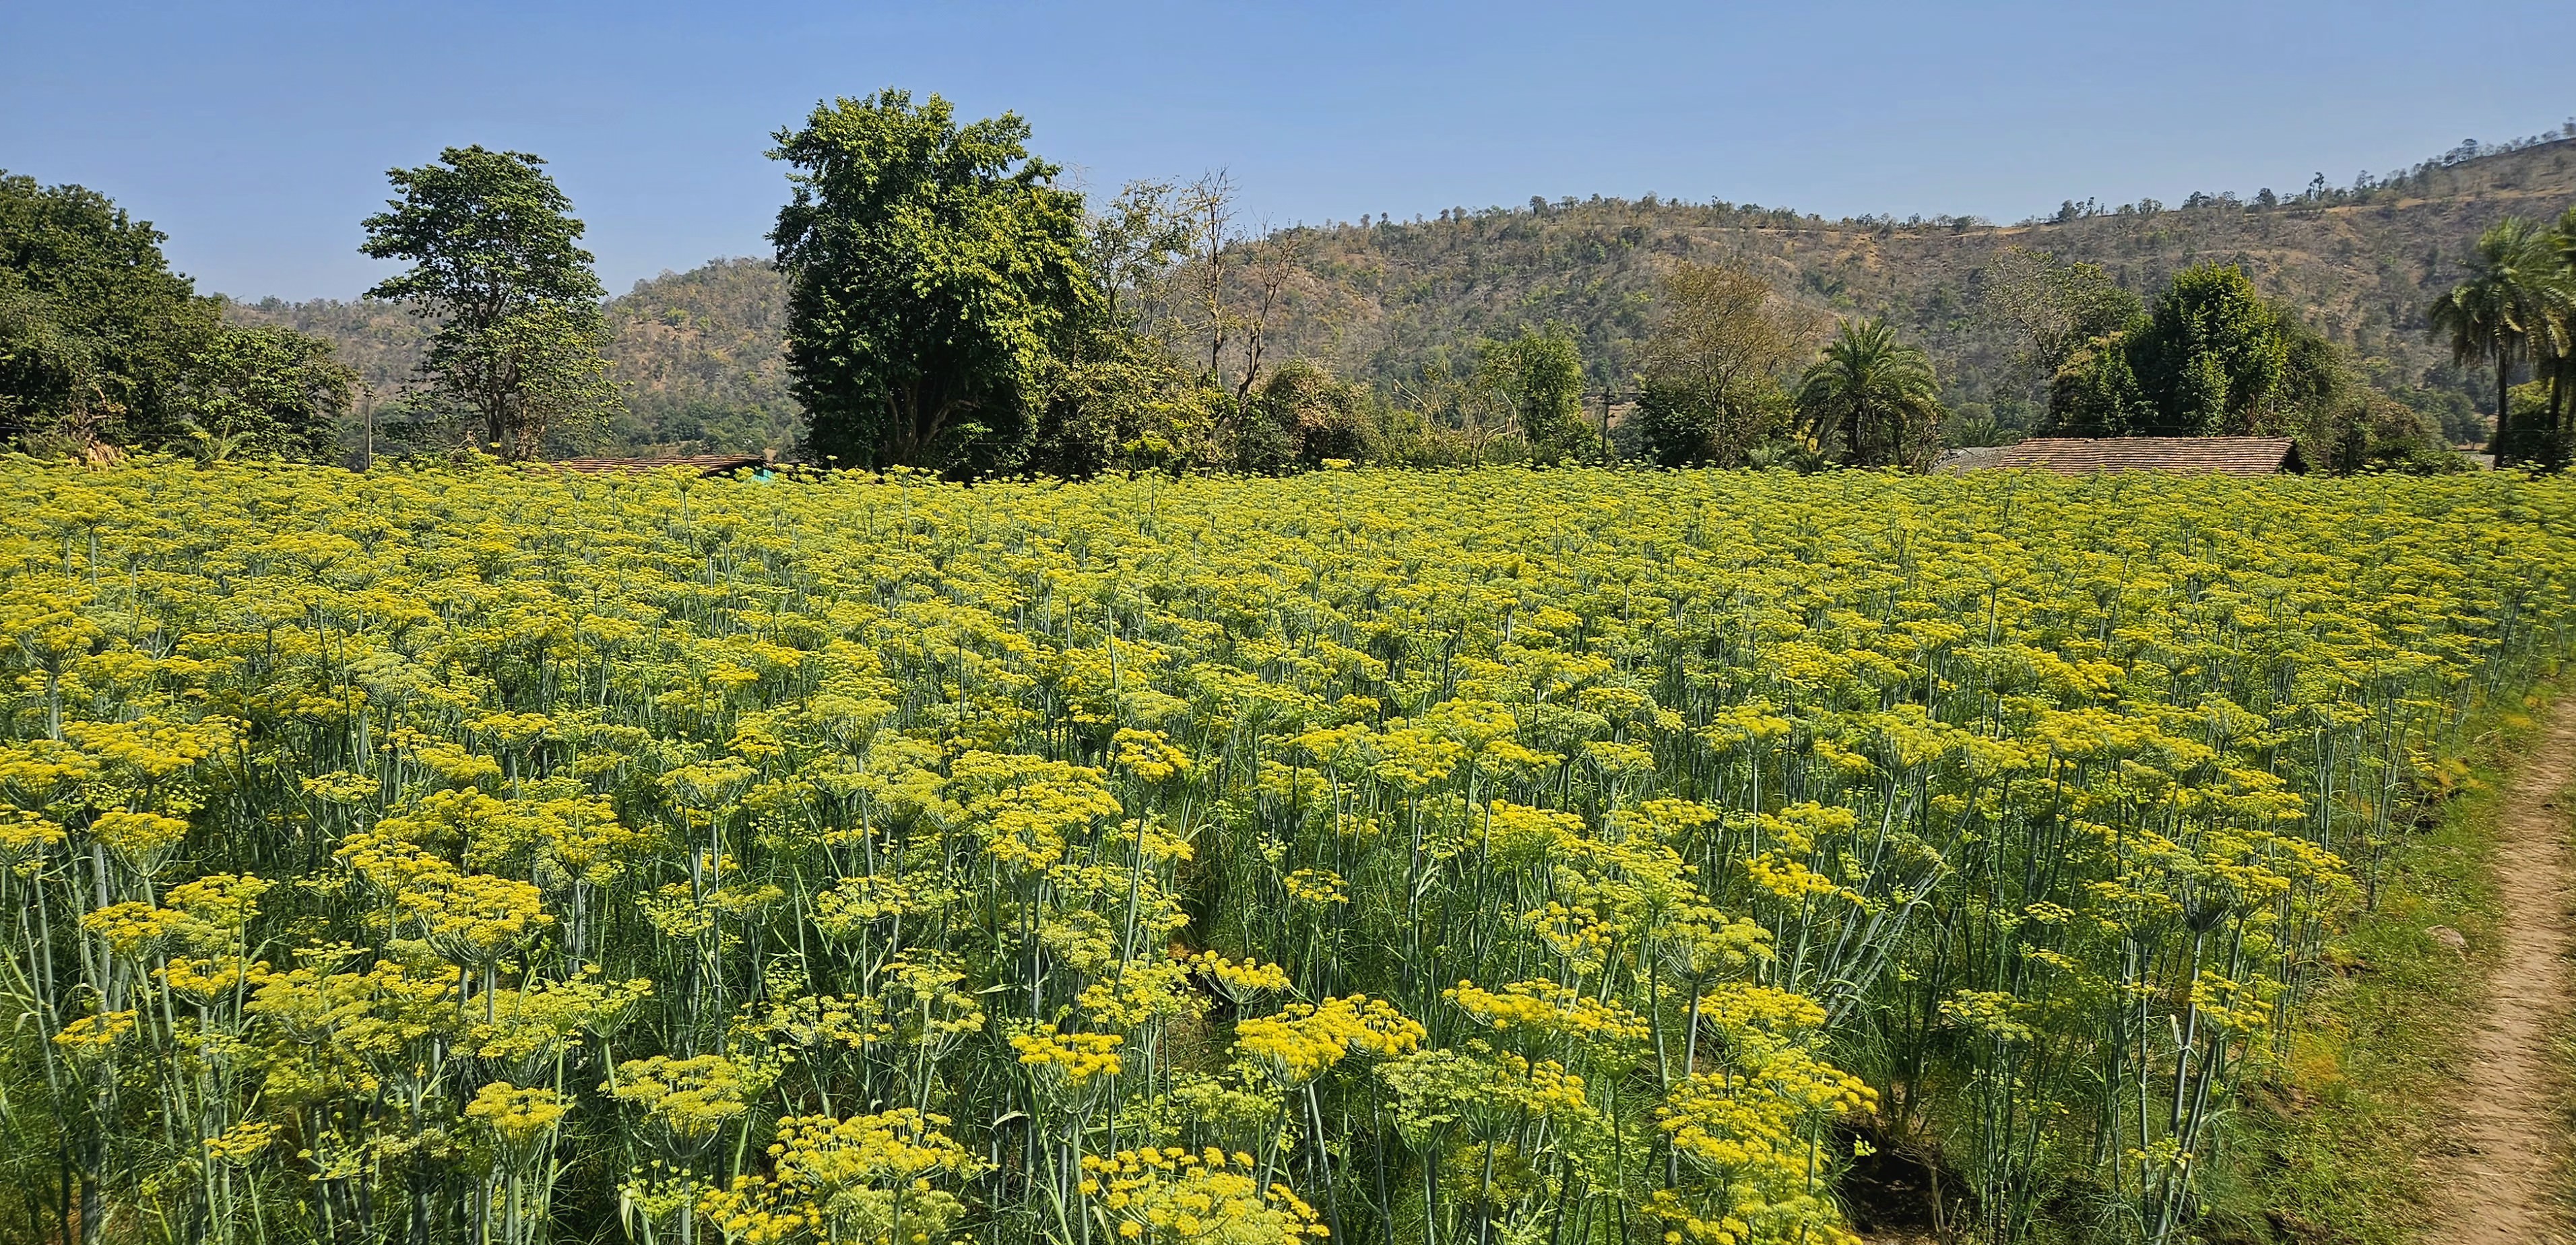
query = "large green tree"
{"x": 496, "y": 263}
{"x": 1872, "y": 400}
{"x": 103, "y": 346}
{"x": 262, "y": 389}
{"x": 2211, "y": 357}
{"x": 934, "y": 271}
{"x": 2212, "y": 354}
{"x": 1538, "y": 376}
{"x": 2499, "y": 304}
{"x": 1712, "y": 365}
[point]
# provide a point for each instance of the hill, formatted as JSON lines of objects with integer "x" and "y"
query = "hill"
{"x": 1378, "y": 299}
{"x": 699, "y": 350}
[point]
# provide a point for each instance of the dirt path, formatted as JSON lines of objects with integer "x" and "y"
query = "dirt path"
{"x": 2501, "y": 1177}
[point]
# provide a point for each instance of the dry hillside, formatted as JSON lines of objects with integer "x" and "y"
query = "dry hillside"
{"x": 700, "y": 350}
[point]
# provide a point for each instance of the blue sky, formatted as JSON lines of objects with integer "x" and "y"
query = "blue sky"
{"x": 257, "y": 136}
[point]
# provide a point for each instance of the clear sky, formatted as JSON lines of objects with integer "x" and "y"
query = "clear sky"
{"x": 257, "y": 136}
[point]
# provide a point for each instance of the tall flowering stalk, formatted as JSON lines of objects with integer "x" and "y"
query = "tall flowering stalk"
{"x": 490, "y": 856}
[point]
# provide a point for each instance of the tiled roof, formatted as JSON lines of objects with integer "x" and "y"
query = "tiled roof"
{"x": 703, "y": 464}
{"x": 2234, "y": 456}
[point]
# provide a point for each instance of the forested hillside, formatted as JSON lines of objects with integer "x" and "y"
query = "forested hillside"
{"x": 1382, "y": 298}
{"x": 696, "y": 352}
{"x": 699, "y": 351}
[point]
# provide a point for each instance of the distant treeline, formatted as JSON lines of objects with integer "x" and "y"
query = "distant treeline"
{"x": 1178, "y": 340}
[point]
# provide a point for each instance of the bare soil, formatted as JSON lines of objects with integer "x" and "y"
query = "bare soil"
{"x": 2500, "y": 1175}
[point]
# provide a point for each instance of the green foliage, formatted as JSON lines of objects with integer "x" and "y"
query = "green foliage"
{"x": 2501, "y": 307}
{"x": 1133, "y": 242}
{"x": 101, "y": 345}
{"x": 2518, "y": 302}
{"x": 1872, "y": 399}
{"x": 505, "y": 856}
{"x": 1123, "y": 403}
{"x": 264, "y": 390}
{"x": 1301, "y": 416}
{"x": 513, "y": 362}
{"x": 2212, "y": 356}
{"x": 1713, "y": 366}
{"x": 2058, "y": 307}
{"x": 933, "y": 271}
{"x": 551, "y": 352}
{"x": 2095, "y": 393}
{"x": 2365, "y": 430}
{"x": 1538, "y": 376}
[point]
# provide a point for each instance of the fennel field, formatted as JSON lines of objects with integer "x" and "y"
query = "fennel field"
{"x": 496, "y": 857}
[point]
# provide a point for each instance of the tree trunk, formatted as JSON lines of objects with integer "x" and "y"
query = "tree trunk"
{"x": 2558, "y": 369}
{"x": 2504, "y": 406}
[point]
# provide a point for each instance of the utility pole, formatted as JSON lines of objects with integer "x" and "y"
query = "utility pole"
{"x": 367, "y": 406}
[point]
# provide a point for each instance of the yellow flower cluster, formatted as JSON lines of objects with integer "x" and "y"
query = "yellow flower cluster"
{"x": 1321, "y": 887}
{"x": 1071, "y": 1057}
{"x": 131, "y": 929}
{"x": 1301, "y": 1042}
{"x": 242, "y": 1143}
{"x": 867, "y": 1178}
{"x": 519, "y": 1117}
{"x": 815, "y": 1021}
{"x": 201, "y": 980}
{"x": 1172, "y": 1196}
{"x": 690, "y": 1098}
{"x": 892, "y": 1147}
{"x": 1149, "y": 755}
{"x": 1139, "y": 995}
{"x": 860, "y": 903}
{"x": 23, "y": 834}
{"x": 1740, "y": 1136}
{"x": 139, "y": 839}
{"x": 96, "y": 1035}
{"x": 1238, "y": 980}
{"x": 1549, "y": 1007}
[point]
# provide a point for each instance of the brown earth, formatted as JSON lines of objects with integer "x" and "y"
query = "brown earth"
{"x": 2501, "y": 1174}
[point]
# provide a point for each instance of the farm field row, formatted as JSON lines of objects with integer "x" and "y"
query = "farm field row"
{"x": 1579, "y": 856}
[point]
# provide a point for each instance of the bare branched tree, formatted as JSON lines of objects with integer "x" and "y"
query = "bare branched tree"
{"x": 1271, "y": 262}
{"x": 1208, "y": 205}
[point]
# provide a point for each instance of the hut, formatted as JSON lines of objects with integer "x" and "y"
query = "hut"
{"x": 2080, "y": 456}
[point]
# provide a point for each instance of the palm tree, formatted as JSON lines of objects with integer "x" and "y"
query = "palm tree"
{"x": 2557, "y": 341}
{"x": 1873, "y": 393}
{"x": 2498, "y": 307}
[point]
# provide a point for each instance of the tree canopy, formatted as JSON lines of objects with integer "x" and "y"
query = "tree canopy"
{"x": 102, "y": 346}
{"x": 1872, "y": 399}
{"x": 1721, "y": 340}
{"x": 2210, "y": 358}
{"x": 1539, "y": 377}
{"x": 496, "y": 264}
{"x": 2503, "y": 308}
{"x": 933, "y": 269}
{"x": 2212, "y": 355}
